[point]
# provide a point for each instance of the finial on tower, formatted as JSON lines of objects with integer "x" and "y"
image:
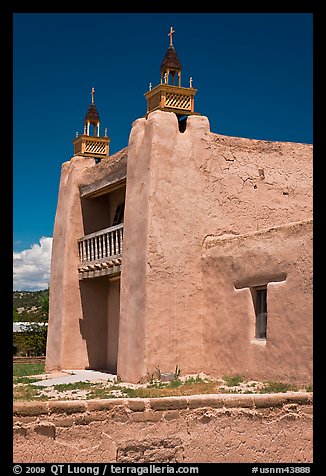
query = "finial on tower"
{"x": 90, "y": 143}
{"x": 170, "y": 95}
{"x": 171, "y": 34}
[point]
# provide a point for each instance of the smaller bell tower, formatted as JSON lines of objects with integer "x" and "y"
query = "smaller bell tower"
{"x": 169, "y": 95}
{"x": 87, "y": 145}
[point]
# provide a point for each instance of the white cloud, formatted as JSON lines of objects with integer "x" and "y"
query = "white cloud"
{"x": 31, "y": 270}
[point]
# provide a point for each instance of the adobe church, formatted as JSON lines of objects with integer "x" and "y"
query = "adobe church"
{"x": 185, "y": 248}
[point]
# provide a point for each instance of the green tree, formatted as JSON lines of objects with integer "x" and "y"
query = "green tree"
{"x": 45, "y": 308}
{"x": 15, "y": 315}
{"x": 32, "y": 341}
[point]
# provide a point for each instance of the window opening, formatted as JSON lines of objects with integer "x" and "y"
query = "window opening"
{"x": 182, "y": 120}
{"x": 261, "y": 312}
{"x": 119, "y": 214}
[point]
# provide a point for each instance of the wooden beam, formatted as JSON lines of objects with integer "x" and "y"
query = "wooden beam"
{"x": 105, "y": 185}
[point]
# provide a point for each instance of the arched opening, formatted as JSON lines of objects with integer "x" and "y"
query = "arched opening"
{"x": 182, "y": 121}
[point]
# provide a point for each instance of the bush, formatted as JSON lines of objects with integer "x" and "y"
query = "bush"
{"x": 278, "y": 387}
{"x": 232, "y": 381}
{"x": 31, "y": 342}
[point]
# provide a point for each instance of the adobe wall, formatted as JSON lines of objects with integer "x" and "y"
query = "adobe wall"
{"x": 132, "y": 363}
{"x": 65, "y": 307}
{"x": 113, "y": 325}
{"x": 182, "y": 187}
{"x": 75, "y": 342}
{"x": 282, "y": 257}
{"x": 196, "y": 429}
{"x": 98, "y": 213}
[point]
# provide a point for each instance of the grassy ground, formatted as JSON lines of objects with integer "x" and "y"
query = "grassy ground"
{"x": 20, "y": 370}
{"x": 23, "y": 377}
{"x": 26, "y": 374}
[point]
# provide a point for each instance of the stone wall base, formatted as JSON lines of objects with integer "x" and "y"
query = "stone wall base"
{"x": 195, "y": 429}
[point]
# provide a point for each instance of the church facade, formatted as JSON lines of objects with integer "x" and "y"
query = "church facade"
{"x": 186, "y": 248}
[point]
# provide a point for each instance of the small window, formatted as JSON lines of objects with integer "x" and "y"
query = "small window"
{"x": 261, "y": 312}
{"x": 182, "y": 120}
{"x": 119, "y": 212}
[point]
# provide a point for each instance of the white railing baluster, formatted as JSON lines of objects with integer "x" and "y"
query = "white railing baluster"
{"x": 107, "y": 244}
{"x": 116, "y": 249}
{"x": 111, "y": 244}
{"x": 120, "y": 241}
{"x": 104, "y": 245}
{"x": 95, "y": 248}
{"x": 84, "y": 251}
{"x": 88, "y": 251}
{"x": 101, "y": 244}
{"x": 100, "y": 247}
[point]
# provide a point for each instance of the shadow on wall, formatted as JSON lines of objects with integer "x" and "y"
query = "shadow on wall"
{"x": 94, "y": 325}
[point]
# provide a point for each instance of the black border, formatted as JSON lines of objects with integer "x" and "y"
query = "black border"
{"x": 6, "y": 30}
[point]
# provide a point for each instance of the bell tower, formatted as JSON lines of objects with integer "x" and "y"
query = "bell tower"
{"x": 169, "y": 95}
{"x": 88, "y": 145}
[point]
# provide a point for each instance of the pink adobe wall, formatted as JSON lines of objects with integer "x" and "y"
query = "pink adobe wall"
{"x": 65, "y": 345}
{"x": 230, "y": 265}
{"x": 70, "y": 336}
{"x": 180, "y": 188}
{"x": 113, "y": 325}
{"x": 194, "y": 429}
{"x": 132, "y": 331}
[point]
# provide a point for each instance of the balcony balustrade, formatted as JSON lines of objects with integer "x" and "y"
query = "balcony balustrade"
{"x": 100, "y": 253}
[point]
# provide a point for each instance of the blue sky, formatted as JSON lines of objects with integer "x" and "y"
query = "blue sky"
{"x": 253, "y": 73}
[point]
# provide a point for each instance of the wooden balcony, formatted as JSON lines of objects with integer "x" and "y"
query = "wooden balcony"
{"x": 100, "y": 253}
{"x": 171, "y": 98}
{"x": 89, "y": 146}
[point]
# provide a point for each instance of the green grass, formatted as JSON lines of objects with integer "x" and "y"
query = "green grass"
{"x": 157, "y": 384}
{"x": 28, "y": 393}
{"x": 191, "y": 386}
{"x": 232, "y": 381}
{"x": 25, "y": 380}
{"x": 62, "y": 387}
{"x": 174, "y": 388}
{"x": 22, "y": 370}
{"x": 277, "y": 387}
{"x": 192, "y": 380}
{"x": 23, "y": 375}
{"x": 99, "y": 392}
{"x": 174, "y": 384}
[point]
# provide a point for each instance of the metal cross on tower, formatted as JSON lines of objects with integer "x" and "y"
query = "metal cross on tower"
{"x": 171, "y": 34}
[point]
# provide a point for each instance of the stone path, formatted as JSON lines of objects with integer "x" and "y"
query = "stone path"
{"x": 76, "y": 376}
